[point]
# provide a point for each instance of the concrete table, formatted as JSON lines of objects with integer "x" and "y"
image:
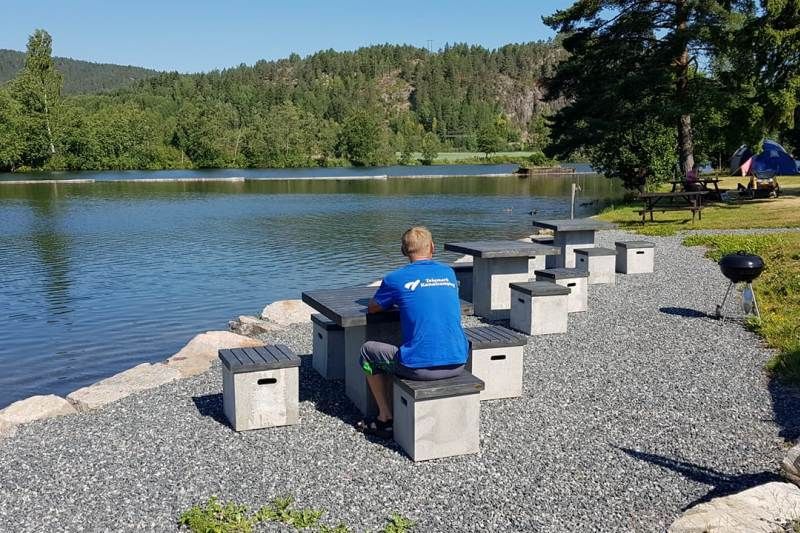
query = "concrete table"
{"x": 348, "y": 308}
{"x": 570, "y": 234}
{"x": 496, "y": 264}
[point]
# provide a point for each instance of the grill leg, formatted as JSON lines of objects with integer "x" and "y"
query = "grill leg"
{"x": 755, "y": 302}
{"x": 722, "y": 305}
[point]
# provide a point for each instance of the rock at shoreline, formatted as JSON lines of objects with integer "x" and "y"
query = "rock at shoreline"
{"x": 7, "y": 430}
{"x": 464, "y": 259}
{"x": 376, "y": 283}
{"x": 760, "y": 509}
{"x": 791, "y": 464}
{"x": 138, "y": 378}
{"x": 251, "y": 326}
{"x": 36, "y": 408}
{"x": 287, "y": 312}
{"x": 196, "y": 357}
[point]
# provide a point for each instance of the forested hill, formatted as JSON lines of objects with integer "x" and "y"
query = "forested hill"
{"x": 376, "y": 105}
{"x": 79, "y": 76}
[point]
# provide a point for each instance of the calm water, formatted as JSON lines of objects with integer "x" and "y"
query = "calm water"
{"x": 96, "y": 278}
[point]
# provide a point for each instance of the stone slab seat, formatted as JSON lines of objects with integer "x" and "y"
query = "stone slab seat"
{"x": 328, "y": 347}
{"x": 575, "y": 280}
{"x": 635, "y": 257}
{"x": 434, "y": 419}
{"x": 260, "y": 386}
{"x": 539, "y": 307}
{"x": 600, "y": 263}
{"x": 495, "y": 357}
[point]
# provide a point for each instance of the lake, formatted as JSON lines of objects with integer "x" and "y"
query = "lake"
{"x": 96, "y": 278}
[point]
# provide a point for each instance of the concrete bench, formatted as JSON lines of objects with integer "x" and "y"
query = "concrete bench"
{"x": 328, "y": 347}
{"x": 600, "y": 263}
{"x": 551, "y": 261}
{"x": 539, "y": 307}
{"x": 434, "y": 419}
{"x": 260, "y": 386}
{"x": 464, "y": 276}
{"x": 572, "y": 278}
{"x": 496, "y": 359}
{"x": 635, "y": 257}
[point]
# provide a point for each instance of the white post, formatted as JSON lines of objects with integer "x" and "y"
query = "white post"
{"x": 572, "y": 204}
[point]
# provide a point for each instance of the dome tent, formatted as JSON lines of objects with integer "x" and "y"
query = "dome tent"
{"x": 773, "y": 160}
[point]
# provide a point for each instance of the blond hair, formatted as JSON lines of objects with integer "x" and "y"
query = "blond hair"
{"x": 416, "y": 240}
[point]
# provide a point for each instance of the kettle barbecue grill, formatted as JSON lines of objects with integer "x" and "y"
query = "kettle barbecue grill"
{"x": 741, "y": 267}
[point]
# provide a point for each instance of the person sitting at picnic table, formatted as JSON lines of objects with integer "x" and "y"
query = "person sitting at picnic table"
{"x": 692, "y": 181}
{"x": 434, "y": 345}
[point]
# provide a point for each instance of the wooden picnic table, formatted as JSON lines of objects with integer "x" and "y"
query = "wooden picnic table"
{"x": 569, "y": 234}
{"x": 703, "y": 181}
{"x": 495, "y": 265}
{"x": 652, "y": 202}
{"x": 348, "y": 308}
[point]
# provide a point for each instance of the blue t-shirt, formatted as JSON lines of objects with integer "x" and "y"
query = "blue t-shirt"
{"x": 426, "y": 293}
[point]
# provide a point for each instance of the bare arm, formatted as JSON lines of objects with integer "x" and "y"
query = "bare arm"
{"x": 373, "y": 307}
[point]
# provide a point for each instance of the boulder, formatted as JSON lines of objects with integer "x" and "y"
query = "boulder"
{"x": 791, "y": 465}
{"x": 464, "y": 259}
{"x": 7, "y": 430}
{"x": 376, "y": 283}
{"x": 760, "y": 509}
{"x": 287, "y": 312}
{"x": 138, "y": 378}
{"x": 36, "y": 408}
{"x": 196, "y": 357}
{"x": 251, "y": 326}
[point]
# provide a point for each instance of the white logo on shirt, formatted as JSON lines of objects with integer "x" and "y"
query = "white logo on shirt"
{"x": 412, "y": 285}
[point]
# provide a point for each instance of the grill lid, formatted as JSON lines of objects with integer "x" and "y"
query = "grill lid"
{"x": 741, "y": 266}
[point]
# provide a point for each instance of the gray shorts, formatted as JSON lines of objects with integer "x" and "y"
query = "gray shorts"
{"x": 381, "y": 358}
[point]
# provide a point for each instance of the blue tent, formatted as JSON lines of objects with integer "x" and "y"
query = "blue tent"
{"x": 773, "y": 160}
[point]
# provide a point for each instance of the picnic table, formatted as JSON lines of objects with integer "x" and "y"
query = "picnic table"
{"x": 703, "y": 181}
{"x": 569, "y": 234}
{"x": 653, "y": 202}
{"x": 348, "y": 308}
{"x": 495, "y": 265}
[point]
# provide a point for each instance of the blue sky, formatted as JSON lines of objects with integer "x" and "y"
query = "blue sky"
{"x": 203, "y": 35}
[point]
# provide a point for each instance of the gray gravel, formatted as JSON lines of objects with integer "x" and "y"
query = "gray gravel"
{"x": 643, "y": 408}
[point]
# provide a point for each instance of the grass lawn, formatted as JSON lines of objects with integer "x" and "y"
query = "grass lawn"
{"x": 767, "y": 213}
{"x": 777, "y": 291}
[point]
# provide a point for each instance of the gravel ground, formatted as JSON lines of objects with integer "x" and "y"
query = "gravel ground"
{"x": 644, "y": 408}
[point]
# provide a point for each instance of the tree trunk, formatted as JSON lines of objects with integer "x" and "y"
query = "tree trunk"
{"x": 685, "y": 140}
{"x": 47, "y": 123}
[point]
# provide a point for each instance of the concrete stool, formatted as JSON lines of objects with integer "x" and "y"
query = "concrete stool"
{"x": 600, "y": 263}
{"x": 496, "y": 359}
{"x": 464, "y": 276}
{"x": 328, "y": 343}
{"x": 441, "y": 418}
{"x": 635, "y": 257}
{"x": 260, "y": 386}
{"x": 574, "y": 280}
{"x": 539, "y": 307}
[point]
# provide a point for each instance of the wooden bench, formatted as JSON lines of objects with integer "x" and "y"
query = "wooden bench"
{"x": 495, "y": 357}
{"x": 434, "y": 419}
{"x": 260, "y": 386}
{"x": 652, "y": 202}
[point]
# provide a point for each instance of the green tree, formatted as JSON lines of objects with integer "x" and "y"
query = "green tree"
{"x": 361, "y": 138}
{"x": 11, "y": 123}
{"x": 493, "y": 137}
{"x": 38, "y": 86}
{"x": 633, "y": 62}
{"x": 429, "y": 148}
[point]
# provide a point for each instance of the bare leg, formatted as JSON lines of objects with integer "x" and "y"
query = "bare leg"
{"x": 379, "y": 386}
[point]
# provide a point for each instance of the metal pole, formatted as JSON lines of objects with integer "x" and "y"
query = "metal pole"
{"x": 572, "y": 204}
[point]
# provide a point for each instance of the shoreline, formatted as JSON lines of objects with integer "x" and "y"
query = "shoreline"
{"x": 242, "y": 179}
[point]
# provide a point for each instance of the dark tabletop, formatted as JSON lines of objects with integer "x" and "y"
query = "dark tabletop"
{"x": 493, "y": 249}
{"x": 577, "y": 224}
{"x": 348, "y": 306}
{"x": 676, "y": 194}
